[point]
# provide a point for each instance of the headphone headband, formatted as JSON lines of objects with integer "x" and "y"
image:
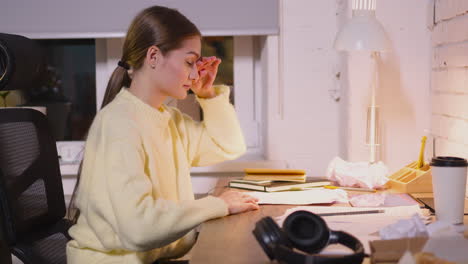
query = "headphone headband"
{"x": 286, "y": 255}
{"x": 305, "y": 231}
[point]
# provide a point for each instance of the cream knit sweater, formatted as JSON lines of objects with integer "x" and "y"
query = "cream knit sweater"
{"x": 135, "y": 194}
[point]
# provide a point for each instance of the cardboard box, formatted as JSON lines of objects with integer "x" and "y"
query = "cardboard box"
{"x": 390, "y": 251}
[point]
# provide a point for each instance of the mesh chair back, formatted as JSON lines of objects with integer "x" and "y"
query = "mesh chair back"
{"x": 31, "y": 193}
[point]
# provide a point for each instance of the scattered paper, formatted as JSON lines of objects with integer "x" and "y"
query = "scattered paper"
{"x": 445, "y": 241}
{"x": 448, "y": 248}
{"x": 444, "y": 229}
{"x": 388, "y": 212}
{"x": 313, "y": 196}
{"x": 357, "y": 174}
{"x": 366, "y": 226}
{"x": 368, "y": 200}
{"x": 405, "y": 228}
{"x": 382, "y": 199}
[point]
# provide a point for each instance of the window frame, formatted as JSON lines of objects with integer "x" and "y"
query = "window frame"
{"x": 248, "y": 98}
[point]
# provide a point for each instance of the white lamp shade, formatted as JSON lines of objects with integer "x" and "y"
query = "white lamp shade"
{"x": 362, "y": 32}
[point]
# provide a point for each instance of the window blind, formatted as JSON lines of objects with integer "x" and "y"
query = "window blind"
{"x": 110, "y": 18}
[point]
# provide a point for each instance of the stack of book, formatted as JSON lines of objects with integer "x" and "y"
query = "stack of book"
{"x": 274, "y": 180}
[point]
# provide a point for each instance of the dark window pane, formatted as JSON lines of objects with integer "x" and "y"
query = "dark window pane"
{"x": 70, "y": 90}
{"x": 221, "y": 47}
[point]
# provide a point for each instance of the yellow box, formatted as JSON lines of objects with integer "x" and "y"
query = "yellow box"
{"x": 410, "y": 179}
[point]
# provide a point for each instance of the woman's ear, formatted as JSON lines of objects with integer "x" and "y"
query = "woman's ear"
{"x": 153, "y": 55}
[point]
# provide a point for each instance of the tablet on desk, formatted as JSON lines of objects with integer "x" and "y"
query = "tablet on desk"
{"x": 429, "y": 204}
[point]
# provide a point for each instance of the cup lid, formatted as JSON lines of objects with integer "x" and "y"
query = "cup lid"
{"x": 448, "y": 162}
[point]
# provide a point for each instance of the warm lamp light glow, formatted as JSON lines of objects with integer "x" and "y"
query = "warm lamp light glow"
{"x": 364, "y": 32}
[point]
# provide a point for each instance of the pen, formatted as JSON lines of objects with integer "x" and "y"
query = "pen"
{"x": 353, "y": 212}
{"x": 349, "y": 188}
{"x": 421, "y": 152}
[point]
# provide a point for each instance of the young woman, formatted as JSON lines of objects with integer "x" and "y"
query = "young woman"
{"x": 134, "y": 196}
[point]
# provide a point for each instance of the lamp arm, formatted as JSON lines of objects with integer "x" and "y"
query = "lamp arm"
{"x": 372, "y": 111}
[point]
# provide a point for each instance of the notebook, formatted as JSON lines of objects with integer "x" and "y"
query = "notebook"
{"x": 274, "y": 171}
{"x": 275, "y": 186}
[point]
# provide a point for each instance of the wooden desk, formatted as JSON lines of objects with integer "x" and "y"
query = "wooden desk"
{"x": 230, "y": 240}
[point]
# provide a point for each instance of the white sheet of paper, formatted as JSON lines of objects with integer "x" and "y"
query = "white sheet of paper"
{"x": 365, "y": 227}
{"x": 448, "y": 248}
{"x": 395, "y": 211}
{"x": 313, "y": 196}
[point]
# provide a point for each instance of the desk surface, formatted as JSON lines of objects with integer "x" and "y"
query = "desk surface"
{"x": 230, "y": 240}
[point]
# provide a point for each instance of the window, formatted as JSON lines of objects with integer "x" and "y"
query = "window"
{"x": 69, "y": 92}
{"x": 246, "y": 74}
{"x": 241, "y": 67}
{"x": 221, "y": 47}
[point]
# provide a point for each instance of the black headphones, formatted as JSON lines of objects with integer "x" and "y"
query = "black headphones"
{"x": 309, "y": 233}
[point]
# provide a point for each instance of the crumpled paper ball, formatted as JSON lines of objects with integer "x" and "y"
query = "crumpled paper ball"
{"x": 357, "y": 174}
{"x": 413, "y": 227}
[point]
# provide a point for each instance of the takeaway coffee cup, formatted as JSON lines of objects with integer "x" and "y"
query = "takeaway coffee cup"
{"x": 448, "y": 184}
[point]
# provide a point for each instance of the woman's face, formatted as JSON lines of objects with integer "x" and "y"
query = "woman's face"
{"x": 177, "y": 69}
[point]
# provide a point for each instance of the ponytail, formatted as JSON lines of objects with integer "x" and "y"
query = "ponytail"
{"x": 118, "y": 79}
{"x": 157, "y": 25}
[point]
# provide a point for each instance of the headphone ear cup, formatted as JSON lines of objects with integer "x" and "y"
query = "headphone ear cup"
{"x": 306, "y": 231}
{"x": 269, "y": 235}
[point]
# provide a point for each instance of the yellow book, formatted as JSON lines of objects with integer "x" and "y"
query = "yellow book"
{"x": 275, "y": 174}
{"x": 276, "y": 177}
{"x": 274, "y": 171}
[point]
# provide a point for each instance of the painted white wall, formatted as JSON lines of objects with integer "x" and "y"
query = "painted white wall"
{"x": 303, "y": 119}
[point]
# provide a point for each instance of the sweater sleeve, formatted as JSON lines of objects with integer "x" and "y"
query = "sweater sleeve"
{"x": 140, "y": 221}
{"x": 219, "y": 137}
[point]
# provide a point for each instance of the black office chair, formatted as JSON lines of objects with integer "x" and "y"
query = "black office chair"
{"x": 32, "y": 204}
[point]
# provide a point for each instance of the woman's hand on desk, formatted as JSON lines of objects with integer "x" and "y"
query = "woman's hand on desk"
{"x": 239, "y": 202}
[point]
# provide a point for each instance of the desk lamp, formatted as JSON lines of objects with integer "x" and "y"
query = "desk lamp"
{"x": 363, "y": 32}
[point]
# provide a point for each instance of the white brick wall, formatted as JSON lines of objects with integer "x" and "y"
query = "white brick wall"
{"x": 450, "y": 31}
{"x": 448, "y": 9}
{"x": 451, "y": 105}
{"x": 450, "y": 55}
{"x": 453, "y": 129}
{"x": 449, "y": 86}
{"x": 457, "y": 77}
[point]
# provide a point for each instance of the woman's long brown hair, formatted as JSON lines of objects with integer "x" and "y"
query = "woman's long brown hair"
{"x": 163, "y": 27}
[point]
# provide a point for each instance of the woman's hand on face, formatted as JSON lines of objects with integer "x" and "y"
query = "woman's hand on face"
{"x": 207, "y": 69}
{"x": 239, "y": 202}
